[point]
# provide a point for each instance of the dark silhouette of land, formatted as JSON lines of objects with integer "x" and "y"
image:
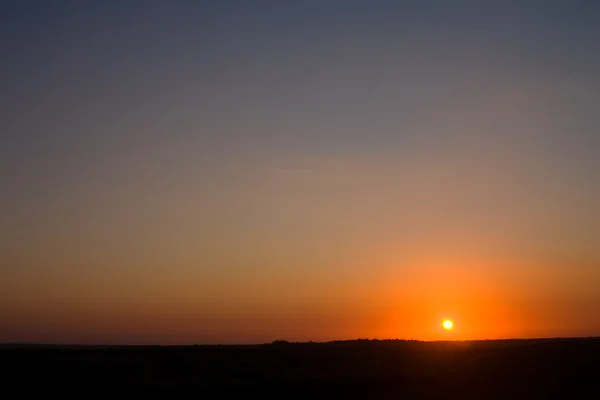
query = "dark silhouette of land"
{"x": 394, "y": 369}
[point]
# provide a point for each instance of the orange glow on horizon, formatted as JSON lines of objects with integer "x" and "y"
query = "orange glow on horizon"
{"x": 486, "y": 299}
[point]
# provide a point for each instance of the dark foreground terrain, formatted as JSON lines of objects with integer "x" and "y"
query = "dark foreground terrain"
{"x": 557, "y": 368}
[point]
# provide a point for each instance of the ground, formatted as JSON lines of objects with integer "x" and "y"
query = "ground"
{"x": 540, "y": 368}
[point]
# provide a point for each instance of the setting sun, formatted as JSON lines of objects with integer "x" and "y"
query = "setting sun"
{"x": 447, "y": 324}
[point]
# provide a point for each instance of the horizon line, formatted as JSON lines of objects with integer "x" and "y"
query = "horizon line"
{"x": 4, "y": 345}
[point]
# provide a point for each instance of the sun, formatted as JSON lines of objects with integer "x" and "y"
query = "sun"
{"x": 448, "y": 324}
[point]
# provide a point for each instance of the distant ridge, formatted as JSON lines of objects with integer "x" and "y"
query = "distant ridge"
{"x": 34, "y": 346}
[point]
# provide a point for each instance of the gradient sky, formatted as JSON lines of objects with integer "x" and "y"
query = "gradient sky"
{"x": 244, "y": 171}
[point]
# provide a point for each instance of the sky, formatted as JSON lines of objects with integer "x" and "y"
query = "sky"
{"x": 242, "y": 171}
